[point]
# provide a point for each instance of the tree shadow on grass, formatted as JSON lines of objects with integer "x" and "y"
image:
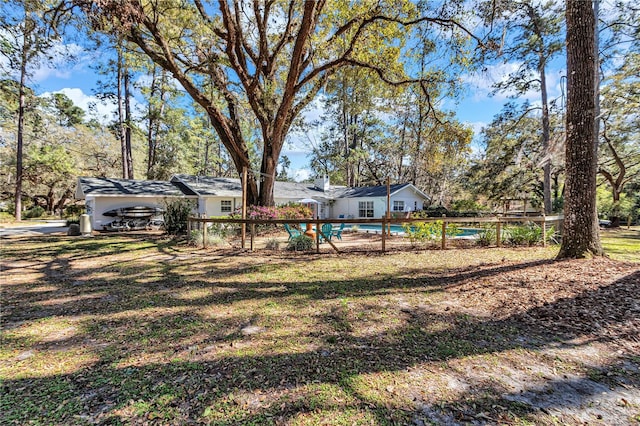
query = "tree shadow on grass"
{"x": 203, "y": 377}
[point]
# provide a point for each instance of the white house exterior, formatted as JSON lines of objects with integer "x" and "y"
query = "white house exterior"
{"x": 221, "y": 196}
{"x": 104, "y": 194}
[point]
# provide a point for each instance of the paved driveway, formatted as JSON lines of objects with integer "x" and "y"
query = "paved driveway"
{"x": 33, "y": 228}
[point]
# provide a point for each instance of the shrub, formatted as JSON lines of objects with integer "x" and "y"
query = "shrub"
{"x": 6, "y": 217}
{"x": 272, "y": 244}
{"x": 223, "y": 230}
{"x": 486, "y": 236}
{"x": 300, "y": 243}
{"x": 285, "y": 211}
{"x": 424, "y": 232}
{"x": 33, "y": 212}
{"x": 73, "y": 210}
{"x": 176, "y": 215}
{"x": 213, "y": 240}
{"x": 528, "y": 234}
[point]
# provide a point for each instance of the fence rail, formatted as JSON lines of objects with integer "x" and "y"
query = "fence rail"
{"x": 545, "y": 221}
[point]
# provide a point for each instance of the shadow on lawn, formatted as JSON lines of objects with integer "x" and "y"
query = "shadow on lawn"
{"x": 197, "y": 384}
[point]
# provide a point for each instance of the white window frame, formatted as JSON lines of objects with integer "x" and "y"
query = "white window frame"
{"x": 224, "y": 206}
{"x": 365, "y": 207}
{"x": 398, "y": 206}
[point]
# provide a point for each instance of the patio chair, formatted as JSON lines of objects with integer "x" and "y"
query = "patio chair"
{"x": 293, "y": 232}
{"x": 338, "y": 232}
{"x": 326, "y": 231}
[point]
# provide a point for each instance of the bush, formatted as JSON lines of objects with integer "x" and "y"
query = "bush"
{"x": 73, "y": 211}
{"x": 272, "y": 244}
{"x": 33, "y": 212}
{"x": 223, "y": 230}
{"x": 285, "y": 211}
{"x": 176, "y": 215}
{"x": 486, "y": 236}
{"x": 529, "y": 234}
{"x": 213, "y": 240}
{"x": 6, "y": 217}
{"x": 300, "y": 243}
{"x": 424, "y": 232}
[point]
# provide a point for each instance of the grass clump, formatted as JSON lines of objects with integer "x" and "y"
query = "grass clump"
{"x": 300, "y": 243}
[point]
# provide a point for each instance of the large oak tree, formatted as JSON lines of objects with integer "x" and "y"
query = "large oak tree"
{"x": 268, "y": 57}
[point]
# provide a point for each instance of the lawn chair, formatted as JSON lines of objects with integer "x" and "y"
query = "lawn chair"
{"x": 293, "y": 232}
{"x": 326, "y": 231}
{"x": 337, "y": 232}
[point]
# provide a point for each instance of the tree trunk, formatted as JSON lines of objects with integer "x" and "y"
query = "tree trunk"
{"x": 151, "y": 125}
{"x": 546, "y": 168}
{"x": 20, "y": 136}
{"x": 580, "y": 236}
{"x": 121, "y": 114}
{"x": 128, "y": 121}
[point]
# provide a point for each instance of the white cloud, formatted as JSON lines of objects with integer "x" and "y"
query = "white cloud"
{"x": 477, "y": 126}
{"x": 104, "y": 112}
{"x": 481, "y": 84}
{"x": 300, "y": 175}
{"x": 62, "y": 62}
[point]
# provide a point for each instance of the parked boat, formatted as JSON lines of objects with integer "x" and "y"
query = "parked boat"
{"x": 134, "y": 212}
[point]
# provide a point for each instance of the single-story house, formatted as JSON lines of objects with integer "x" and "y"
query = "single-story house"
{"x": 221, "y": 196}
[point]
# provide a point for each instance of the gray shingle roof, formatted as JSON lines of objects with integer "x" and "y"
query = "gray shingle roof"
{"x": 231, "y": 187}
{"x": 371, "y": 191}
{"x": 222, "y": 187}
{"x": 127, "y": 187}
{"x": 205, "y": 185}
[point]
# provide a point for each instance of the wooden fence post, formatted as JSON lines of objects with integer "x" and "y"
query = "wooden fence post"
{"x": 204, "y": 234}
{"x": 243, "y": 227}
{"x": 253, "y": 231}
{"x": 498, "y": 232}
{"x": 444, "y": 232}
{"x": 317, "y": 234}
{"x": 384, "y": 232}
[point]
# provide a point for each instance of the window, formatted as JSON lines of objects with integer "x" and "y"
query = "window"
{"x": 398, "y": 206}
{"x": 225, "y": 206}
{"x": 365, "y": 208}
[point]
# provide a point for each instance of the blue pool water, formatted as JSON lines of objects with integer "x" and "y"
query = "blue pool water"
{"x": 398, "y": 229}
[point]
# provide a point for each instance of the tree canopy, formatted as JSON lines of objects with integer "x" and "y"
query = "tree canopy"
{"x": 271, "y": 58}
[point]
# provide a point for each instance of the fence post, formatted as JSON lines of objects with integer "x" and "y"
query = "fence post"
{"x": 384, "y": 232}
{"x": 253, "y": 231}
{"x": 498, "y": 232}
{"x": 204, "y": 235}
{"x": 444, "y": 232}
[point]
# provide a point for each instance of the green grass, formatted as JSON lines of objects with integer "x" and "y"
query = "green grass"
{"x": 622, "y": 243}
{"x": 133, "y": 330}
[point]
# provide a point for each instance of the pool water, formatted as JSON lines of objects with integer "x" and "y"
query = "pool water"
{"x": 398, "y": 229}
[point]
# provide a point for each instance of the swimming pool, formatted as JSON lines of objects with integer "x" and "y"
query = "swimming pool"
{"x": 399, "y": 230}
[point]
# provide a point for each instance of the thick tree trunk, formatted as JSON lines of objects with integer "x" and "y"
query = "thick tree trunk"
{"x": 580, "y": 236}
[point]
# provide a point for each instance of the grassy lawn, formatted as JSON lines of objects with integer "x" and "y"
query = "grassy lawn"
{"x": 622, "y": 243}
{"x": 142, "y": 330}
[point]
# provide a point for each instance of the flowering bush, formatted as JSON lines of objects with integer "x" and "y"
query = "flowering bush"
{"x": 285, "y": 211}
